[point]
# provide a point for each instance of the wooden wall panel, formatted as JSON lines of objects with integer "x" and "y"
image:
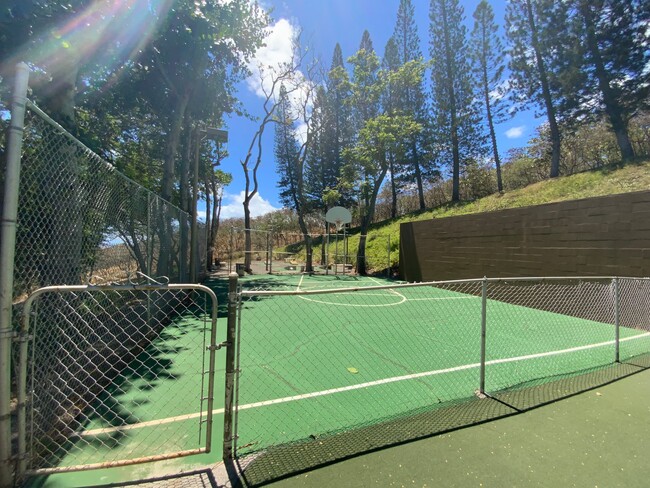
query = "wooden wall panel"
{"x": 591, "y": 237}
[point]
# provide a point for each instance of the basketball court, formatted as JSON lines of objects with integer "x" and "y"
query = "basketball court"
{"x": 324, "y": 355}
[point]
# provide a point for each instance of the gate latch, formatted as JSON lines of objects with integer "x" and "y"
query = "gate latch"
{"x": 216, "y": 347}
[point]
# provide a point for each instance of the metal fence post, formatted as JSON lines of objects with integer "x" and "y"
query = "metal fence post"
{"x": 388, "y": 255}
{"x": 617, "y": 315}
{"x": 232, "y": 249}
{"x": 483, "y": 331}
{"x": 7, "y": 255}
{"x": 228, "y": 415}
{"x": 268, "y": 248}
{"x": 271, "y": 255}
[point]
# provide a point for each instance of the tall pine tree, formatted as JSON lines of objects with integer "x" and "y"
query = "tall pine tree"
{"x": 413, "y": 100}
{"x": 337, "y": 130}
{"x": 529, "y": 25}
{"x": 488, "y": 63}
{"x": 610, "y": 40}
{"x": 392, "y": 106}
{"x": 457, "y": 132}
{"x": 290, "y": 161}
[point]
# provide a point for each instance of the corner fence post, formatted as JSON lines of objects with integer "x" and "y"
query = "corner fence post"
{"x": 228, "y": 415}
{"x": 617, "y": 321}
{"x": 483, "y": 334}
{"x": 7, "y": 256}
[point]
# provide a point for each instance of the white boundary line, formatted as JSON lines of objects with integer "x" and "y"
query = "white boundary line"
{"x": 300, "y": 283}
{"x": 394, "y": 379}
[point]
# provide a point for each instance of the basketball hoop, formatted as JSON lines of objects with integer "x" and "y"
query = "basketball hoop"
{"x": 338, "y": 216}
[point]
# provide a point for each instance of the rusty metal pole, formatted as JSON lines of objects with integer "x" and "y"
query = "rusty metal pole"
{"x": 7, "y": 255}
{"x": 229, "y": 404}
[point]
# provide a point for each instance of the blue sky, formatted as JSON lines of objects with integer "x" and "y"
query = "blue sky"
{"x": 324, "y": 23}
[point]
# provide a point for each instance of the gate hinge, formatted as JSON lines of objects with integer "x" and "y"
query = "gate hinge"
{"x": 216, "y": 347}
{"x": 233, "y": 297}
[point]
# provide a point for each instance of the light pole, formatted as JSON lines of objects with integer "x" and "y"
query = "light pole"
{"x": 217, "y": 135}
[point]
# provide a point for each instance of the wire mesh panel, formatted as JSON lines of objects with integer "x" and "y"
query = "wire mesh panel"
{"x": 276, "y": 252}
{"x": 538, "y": 329}
{"x": 634, "y": 319}
{"x": 314, "y": 362}
{"x": 118, "y": 375}
{"x": 80, "y": 220}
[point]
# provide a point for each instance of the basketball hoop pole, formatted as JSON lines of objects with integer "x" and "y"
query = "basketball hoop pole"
{"x": 336, "y": 253}
{"x": 338, "y": 216}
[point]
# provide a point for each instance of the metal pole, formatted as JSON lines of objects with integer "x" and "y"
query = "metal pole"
{"x": 266, "y": 267}
{"x": 232, "y": 245}
{"x": 483, "y": 334}
{"x": 617, "y": 316}
{"x": 7, "y": 255}
{"x": 327, "y": 252}
{"x": 228, "y": 415}
{"x": 211, "y": 373}
{"x": 345, "y": 251}
{"x": 271, "y": 260}
{"x": 195, "y": 197}
{"x": 388, "y": 255}
{"x": 149, "y": 237}
{"x": 336, "y": 253}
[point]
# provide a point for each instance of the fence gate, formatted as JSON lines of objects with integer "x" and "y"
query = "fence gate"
{"x": 115, "y": 375}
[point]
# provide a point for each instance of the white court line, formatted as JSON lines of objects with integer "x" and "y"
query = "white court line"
{"x": 441, "y": 298}
{"x": 390, "y": 290}
{"x": 276, "y": 401}
{"x": 300, "y": 282}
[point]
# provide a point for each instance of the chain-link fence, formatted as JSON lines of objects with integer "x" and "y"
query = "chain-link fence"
{"x": 317, "y": 362}
{"x": 80, "y": 220}
{"x": 115, "y": 375}
{"x": 287, "y": 253}
{"x": 70, "y": 218}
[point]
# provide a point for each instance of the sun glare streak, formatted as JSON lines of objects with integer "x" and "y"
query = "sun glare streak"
{"x": 106, "y": 33}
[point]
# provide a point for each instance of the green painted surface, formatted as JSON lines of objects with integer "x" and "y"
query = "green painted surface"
{"x": 385, "y": 353}
{"x": 596, "y": 439}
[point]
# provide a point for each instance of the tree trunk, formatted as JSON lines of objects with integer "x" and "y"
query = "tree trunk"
{"x": 323, "y": 249}
{"x": 366, "y": 220}
{"x": 455, "y": 193}
{"x": 493, "y": 137}
{"x": 216, "y": 215}
{"x": 393, "y": 188}
{"x": 309, "y": 267}
{"x": 418, "y": 174}
{"x": 167, "y": 184}
{"x": 619, "y": 125}
{"x": 248, "y": 243}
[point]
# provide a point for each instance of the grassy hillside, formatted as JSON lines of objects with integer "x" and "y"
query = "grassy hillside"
{"x": 608, "y": 181}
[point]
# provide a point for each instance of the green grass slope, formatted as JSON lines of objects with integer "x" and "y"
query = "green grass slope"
{"x": 607, "y": 181}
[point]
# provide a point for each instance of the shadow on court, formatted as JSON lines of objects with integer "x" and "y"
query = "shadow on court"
{"x": 203, "y": 478}
{"x": 289, "y": 460}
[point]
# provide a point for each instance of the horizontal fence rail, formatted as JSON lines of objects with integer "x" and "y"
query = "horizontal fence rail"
{"x": 115, "y": 375}
{"x": 312, "y": 363}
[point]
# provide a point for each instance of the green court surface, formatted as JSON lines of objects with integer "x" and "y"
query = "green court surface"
{"x": 322, "y": 363}
{"x": 596, "y": 439}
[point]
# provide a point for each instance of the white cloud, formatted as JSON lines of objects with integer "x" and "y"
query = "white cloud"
{"x": 515, "y": 132}
{"x": 278, "y": 50}
{"x": 233, "y": 205}
{"x": 270, "y": 60}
